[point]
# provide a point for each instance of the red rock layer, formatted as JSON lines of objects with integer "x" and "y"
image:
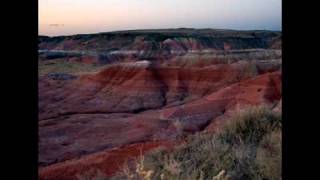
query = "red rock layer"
{"x": 75, "y": 135}
{"x": 131, "y": 88}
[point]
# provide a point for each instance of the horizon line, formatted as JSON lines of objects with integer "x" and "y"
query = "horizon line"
{"x": 148, "y": 29}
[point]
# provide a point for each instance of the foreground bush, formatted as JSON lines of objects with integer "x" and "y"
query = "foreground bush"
{"x": 248, "y": 147}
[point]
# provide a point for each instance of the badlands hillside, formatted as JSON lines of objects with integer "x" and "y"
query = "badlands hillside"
{"x": 107, "y": 98}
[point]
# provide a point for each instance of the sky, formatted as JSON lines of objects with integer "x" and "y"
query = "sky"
{"x": 67, "y": 17}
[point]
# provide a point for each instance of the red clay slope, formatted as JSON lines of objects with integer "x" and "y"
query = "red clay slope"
{"x": 194, "y": 116}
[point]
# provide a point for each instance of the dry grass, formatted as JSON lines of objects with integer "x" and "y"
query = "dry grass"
{"x": 269, "y": 155}
{"x": 249, "y": 147}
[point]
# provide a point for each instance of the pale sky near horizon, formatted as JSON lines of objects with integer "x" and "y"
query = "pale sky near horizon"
{"x": 66, "y": 17}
